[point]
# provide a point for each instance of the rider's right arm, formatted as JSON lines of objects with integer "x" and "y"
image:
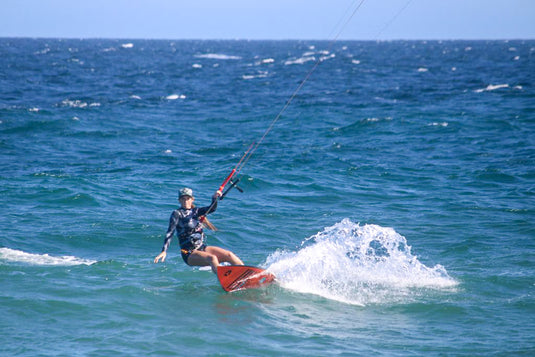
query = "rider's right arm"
{"x": 173, "y": 221}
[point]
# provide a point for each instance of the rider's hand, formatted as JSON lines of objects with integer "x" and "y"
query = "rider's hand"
{"x": 161, "y": 257}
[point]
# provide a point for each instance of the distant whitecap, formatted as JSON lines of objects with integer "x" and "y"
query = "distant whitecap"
{"x": 218, "y": 56}
{"x": 423, "y": 69}
{"x": 326, "y": 57}
{"x": 127, "y": 45}
{"x": 43, "y": 52}
{"x": 74, "y": 103}
{"x": 175, "y": 97}
{"x": 492, "y": 87}
{"x": 301, "y": 60}
{"x": 252, "y": 76}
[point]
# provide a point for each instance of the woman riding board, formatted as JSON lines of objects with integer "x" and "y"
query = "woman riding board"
{"x": 187, "y": 222}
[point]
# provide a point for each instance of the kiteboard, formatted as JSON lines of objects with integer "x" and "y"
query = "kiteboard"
{"x": 240, "y": 277}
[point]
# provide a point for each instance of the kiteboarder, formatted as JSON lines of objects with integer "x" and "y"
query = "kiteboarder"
{"x": 187, "y": 221}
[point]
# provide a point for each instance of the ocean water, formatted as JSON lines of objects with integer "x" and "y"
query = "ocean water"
{"x": 393, "y": 199}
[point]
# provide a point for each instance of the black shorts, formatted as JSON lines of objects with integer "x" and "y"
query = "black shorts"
{"x": 185, "y": 252}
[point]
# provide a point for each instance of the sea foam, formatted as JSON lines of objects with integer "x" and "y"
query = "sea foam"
{"x": 18, "y": 256}
{"x": 358, "y": 265}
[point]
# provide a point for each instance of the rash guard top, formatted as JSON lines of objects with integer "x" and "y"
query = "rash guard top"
{"x": 186, "y": 223}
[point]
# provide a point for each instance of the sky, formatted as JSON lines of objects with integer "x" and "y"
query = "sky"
{"x": 269, "y": 19}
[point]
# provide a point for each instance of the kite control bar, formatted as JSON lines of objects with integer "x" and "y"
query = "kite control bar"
{"x": 233, "y": 183}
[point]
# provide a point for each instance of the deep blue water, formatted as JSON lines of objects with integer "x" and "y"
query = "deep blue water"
{"x": 393, "y": 199}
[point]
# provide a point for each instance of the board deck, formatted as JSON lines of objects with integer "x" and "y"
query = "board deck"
{"x": 240, "y": 277}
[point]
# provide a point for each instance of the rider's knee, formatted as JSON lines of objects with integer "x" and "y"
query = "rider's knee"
{"x": 212, "y": 259}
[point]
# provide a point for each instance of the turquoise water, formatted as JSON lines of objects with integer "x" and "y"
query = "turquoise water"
{"x": 393, "y": 199}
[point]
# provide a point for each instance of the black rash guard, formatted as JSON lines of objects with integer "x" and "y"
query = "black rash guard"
{"x": 188, "y": 227}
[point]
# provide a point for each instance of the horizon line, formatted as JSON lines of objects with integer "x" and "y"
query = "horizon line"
{"x": 260, "y": 39}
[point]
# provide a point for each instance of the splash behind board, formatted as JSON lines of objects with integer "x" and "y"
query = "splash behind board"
{"x": 240, "y": 277}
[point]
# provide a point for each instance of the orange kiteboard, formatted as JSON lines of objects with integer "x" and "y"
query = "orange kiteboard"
{"x": 240, "y": 277}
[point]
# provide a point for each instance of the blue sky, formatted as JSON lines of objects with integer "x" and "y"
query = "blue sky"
{"x": 268, "y": 19}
